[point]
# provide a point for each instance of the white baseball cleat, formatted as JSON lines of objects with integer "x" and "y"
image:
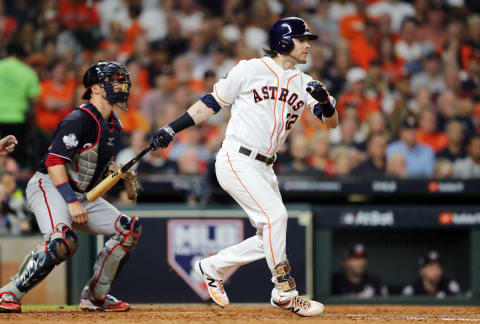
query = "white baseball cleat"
{"x": 215, "y": 287}
{"x": 301, "y": 306}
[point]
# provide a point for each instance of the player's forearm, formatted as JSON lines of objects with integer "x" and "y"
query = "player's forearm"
{"x": 331, "y": 122}
{"x": 58, "y": 175}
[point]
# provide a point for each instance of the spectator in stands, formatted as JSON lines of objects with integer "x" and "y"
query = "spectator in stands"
{"x": 354, "y": 280}
{"x": 364, "y": 48}
{"x": 443, "y": 169}
{"x": 344, "y": 159}
{"x": 375, "y": 125}
{"x": 356, "y": 95}
{"x": 408, "y": 48}
{"x": 432, "y": 31}
{"x": 299, "y": 152}
{"x": 320, "y": 160}
{"x": 56, "y": 100}
{"x": 431, "y": 76}
{"x": 397, "y": 166}
{"x": 14, "y": 205}
{"x": 353, "y": 25}
{"x": 455, "y": 149}
{"x": 157, "y": 97}
{"x": 419, "y": 158}
{"x": 399, "y": 108}
{"x": 138, "y": 141}
{"x": 375, "y": 165}
{"x": 188, "y": 164}
{"x": 19, "y": 90}
{"x": 431, "y": 281}
{"x": 472, "y": 43}
{"x": 427, "y": 132}
{"x": 156, "y": 163}
{"x": 193, "y": 138}
{"x": 392, "y": 64}
{"x": 398, "y": 11}
{"x": 469, "y": 167}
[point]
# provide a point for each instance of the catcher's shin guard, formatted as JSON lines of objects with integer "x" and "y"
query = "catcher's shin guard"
{"x": 60, "y": 245}
{"x": 113, "y": 256}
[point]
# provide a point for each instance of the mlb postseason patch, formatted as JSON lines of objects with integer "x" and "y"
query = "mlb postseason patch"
{"x": 191, "y": 240}
{"x": 70, "y": 140}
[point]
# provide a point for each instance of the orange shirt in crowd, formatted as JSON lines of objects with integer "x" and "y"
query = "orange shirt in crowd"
{"x": 362, "y": 53}
{"x": 128, "y": 45}
{"x": 364, "y": 105}
{"x": 132, "y": 119}
{"x": 393, "y": 70}
{"x": 352, "y": 26}
{"x": 76, "y": 14}
{"x": 48, "y": 119}
{"x": 437, "y": 141}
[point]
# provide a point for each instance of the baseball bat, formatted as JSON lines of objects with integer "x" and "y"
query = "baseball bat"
{"x": 114, "y": 177}
{"x": 309, "y": 89}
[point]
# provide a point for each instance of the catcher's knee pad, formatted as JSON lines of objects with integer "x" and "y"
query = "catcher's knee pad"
{"x": 283, "y": 280}
{"x": 60, "y": 245}
{"x": 63, "y": 242}
{"x": 129, "y": 230}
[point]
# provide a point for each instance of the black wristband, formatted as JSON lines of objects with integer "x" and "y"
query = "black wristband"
{"x": 327, "y": 109}
{"x": 182, "y": 122}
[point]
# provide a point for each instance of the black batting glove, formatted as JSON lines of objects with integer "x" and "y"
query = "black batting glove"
{"x": 318, "y": 91}
{"x": 317, "y": 111}
{"x": 162, "y": 137}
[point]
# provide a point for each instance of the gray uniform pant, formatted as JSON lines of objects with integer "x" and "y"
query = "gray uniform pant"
{"x": 50, "y": 208}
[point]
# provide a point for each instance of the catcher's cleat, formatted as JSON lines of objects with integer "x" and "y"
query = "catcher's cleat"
{"x": 301, "y": 306}
{"x": 215, "y": 287}
{"x": 110, "y": 304}
{"x": 9, "y": 303}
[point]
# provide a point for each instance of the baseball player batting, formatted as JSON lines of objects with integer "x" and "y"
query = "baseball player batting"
{"x": 82, "y": 147}
{"x": 267, "y": 96}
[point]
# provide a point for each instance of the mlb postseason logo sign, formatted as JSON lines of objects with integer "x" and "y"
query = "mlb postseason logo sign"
{"x": 190, "y": 240}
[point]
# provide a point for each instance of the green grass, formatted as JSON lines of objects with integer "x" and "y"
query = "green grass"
{"x": 49, "y": 307}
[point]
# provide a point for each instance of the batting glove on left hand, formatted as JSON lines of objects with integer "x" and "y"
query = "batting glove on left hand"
{"x": 162, "y": 137}
{"x": 318, "y": 91}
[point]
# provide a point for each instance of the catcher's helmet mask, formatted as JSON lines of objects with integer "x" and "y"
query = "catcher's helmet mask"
{"x": 111, "y": 76}
{"x": 283, "y": 32}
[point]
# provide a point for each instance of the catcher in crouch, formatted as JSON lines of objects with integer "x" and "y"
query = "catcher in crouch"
{"x": 78, "y": 157}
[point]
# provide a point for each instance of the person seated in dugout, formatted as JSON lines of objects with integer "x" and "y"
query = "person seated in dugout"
{"x": 353, "y": 280}
{"x": 431, "y": 281}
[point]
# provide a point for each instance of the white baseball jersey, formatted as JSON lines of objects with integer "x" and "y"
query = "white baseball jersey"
{"x": 266, "y": 102}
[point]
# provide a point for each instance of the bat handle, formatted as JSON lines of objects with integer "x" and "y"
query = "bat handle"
{"x": 309, "y": 89}
{"x": 127, "y": 166}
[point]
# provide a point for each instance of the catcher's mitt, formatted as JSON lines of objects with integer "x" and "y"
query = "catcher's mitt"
{"x": 132, "y": 186}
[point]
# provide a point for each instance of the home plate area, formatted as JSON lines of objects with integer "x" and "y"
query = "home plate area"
{"x": 194, "y": 313}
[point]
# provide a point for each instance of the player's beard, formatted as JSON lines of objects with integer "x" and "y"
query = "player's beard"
{"x": 298, "y": 58}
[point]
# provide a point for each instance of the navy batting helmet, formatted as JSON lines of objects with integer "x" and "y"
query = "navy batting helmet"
{"x": 284, "y": 30}
{"x": 108, "y": 73}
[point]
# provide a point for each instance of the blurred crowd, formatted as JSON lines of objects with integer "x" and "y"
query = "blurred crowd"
{"x": 405, "y": 75}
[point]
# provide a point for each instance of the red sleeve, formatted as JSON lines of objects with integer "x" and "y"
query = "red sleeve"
{"x": 53, "y": 160}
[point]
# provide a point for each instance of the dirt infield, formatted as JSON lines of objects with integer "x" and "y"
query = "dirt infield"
{"x": 180, "y": 314}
